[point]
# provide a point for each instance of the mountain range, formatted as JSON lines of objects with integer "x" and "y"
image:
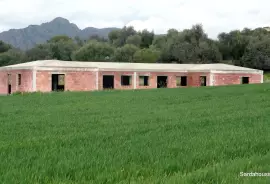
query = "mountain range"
{"x": 32, "y": 35}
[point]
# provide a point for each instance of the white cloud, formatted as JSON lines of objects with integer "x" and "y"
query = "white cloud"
{"x": 216, "y": 16}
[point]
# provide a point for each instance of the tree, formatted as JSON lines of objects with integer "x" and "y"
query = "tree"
{"x": 119, "y": 37}
{"x": 240, "y": 47}
{"x": 62, "y": 47}
{"x": 198, "y": 34}
{"x": 171, "y": 33}
{"x": 59, "y": 38}
{"x": 79, "y": 41}
{"x": 97, "y": 38}
{"x": 63, "y": 50}
{"x": 134, "y": 40}
{"x": 40, "y": 52}
{"x": 181, "y": 52}
{"x": 12, "y": 56}
{"x": 147, "y": 55}
{"x": 58, "y": 47}
{"x": 208, "y": 52}
{"x": 257, "y": 55}
{"x": 146, "y": 38}
{"x": 159, "y": 41}
{"x": 225, "y": 46}
{"x": 125, "y": 53}
{"x": 114, "y": 35}
{"x": 4, "y": 47}
{"x": 94, "y": 51}
{"x": 233, "y": 44}
{"x": 187, "y": 46}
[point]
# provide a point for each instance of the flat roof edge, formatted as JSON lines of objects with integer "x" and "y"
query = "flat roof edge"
{"x": 238, "y": 71}
{"x": 16, "y": 68}
{"x": 52, "y": 68}
{"x": 143, "y": 70}
{"x": 114, "y": 69}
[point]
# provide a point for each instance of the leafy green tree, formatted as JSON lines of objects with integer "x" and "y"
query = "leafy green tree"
{"x": 257, "y": 55}
{"x": 114, "y": 35}
{"x": 232, "y": 45}
{"x": 224, "y": 46}
{"x": 40, "y": 52}
{"x": 134, "y": 40}
{"x": 147, "y": 55}
{"x": 181, "y": 52}
{"x": 171, "y": 33}
{"x": 79, "y": 41}
{"x": 97, "y": 38}
{"x": 245, "y": 47}
{"x": 63, "y": 50}
{"x": 94, "y": 51}
{"x": 4, "y": 47}
{"x": 197, "y": 34}
{"x": 12, "y": 56}
{"x": 208, "y": 52}
{"x": 187, "y": 46}
{"x": 125, "y": 53}
{"x": 59, "y": 38}
{"x": 62, "y": 47}
{"x": 119, "y": 37}
{"x": 146, "y": 38}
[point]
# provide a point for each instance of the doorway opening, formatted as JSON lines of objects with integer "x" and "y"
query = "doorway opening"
{"x": 162, "y": 81}
{"x": 58, "y": 82}
{"x": 203, "y": 80}
{"x": 9, "y": 89}
{"x": 108, "y": 82}
{"x": 9, "y": 84}
{"x": 245, "y": 80}
{"x": 143, "y": 80}
{"x": 181, "y": 81}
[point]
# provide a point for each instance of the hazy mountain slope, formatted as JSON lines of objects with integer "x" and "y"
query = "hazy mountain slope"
{"x": 28, "y": 37}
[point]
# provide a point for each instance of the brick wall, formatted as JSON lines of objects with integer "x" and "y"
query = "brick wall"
{"x": 152, "y": 79}
{"x": 43, "y": 81}
{"x": 194, "y": 78}
{"x": 86, "y": 80}
{"x": 221, "y": 79}
{"x": 117, "y": 79}
{"x": 171, "y": 77}
{"x": 80, "y": 81}
{"x": 74, "y": 81}
{"x": 26, "y": 81}
{"x": 3, "y": 83}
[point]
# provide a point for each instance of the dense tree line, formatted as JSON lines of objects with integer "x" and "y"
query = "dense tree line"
{"x": 250, "y": 48}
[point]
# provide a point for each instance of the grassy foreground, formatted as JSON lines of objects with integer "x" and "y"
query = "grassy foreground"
{"x": 195, "y": 135}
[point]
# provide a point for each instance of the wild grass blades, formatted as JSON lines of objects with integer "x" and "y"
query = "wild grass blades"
{"x": 192, "y": 135}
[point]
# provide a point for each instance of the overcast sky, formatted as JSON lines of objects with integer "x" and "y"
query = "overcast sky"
{"x": 216, "y": 16}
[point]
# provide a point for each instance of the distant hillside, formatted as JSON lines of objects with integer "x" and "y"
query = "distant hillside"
{"x": 28, "y": 37}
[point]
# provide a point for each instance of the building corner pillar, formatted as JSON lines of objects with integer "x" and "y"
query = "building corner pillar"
{"x": 261, "y": 76}
{"x": 135, "y": 80}
{"x": 211, "y": 81}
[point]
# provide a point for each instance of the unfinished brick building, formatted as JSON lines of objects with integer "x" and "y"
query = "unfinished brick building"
{"x": 54, "y": 75}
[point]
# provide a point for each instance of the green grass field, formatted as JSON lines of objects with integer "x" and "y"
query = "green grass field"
{"x": 194, "y": 135}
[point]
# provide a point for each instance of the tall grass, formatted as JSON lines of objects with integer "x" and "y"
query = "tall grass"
{"x": 194, "y": 135}
{"x": 266, "y": 77}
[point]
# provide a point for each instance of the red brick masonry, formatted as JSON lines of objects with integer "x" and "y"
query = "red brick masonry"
{"x": 235, "y": 78}
{"x": 93, "y": 80}
{"x": 26, "y": 81}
